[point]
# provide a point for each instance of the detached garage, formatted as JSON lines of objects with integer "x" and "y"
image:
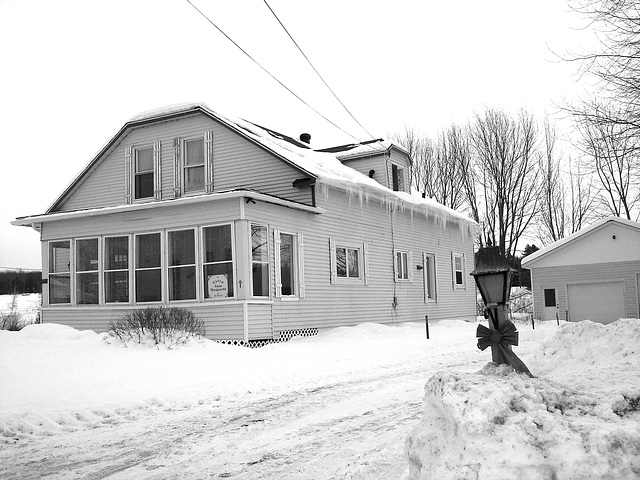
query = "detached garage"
{"x": 590, "y": 275}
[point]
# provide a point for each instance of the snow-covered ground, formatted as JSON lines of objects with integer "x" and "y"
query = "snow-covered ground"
{"x": 340, "y": 405}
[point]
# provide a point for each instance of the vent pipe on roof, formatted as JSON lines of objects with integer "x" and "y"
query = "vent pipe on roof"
{"x": 306, "y": 138}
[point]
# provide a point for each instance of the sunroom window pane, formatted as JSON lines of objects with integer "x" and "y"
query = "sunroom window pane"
{"x": 217, "y": 244}
{"x": 182, "y": 269}
{"x": 148, "y": 286}
{"x": 116, "y": 265}
{"x": 59, "y": 272}
{"x": 148, "y": 277}
{"x": 59, "y": 257}
{"x": 116, "y": 286}
{"x": 148, "y": 250}
{"x": 218, "y": 262}
{"x": 182, "y": 283}
{"x": 218, "y": 280}
{"x": 59, "y": 289}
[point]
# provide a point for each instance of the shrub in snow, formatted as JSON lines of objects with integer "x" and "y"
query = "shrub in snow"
{"x": 160, "y": 325}
{"x": 12, "y": 322}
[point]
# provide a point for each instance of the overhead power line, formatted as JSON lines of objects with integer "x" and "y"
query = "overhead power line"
{"x": 267, "y": 71}
{"x": 315, "y": 70}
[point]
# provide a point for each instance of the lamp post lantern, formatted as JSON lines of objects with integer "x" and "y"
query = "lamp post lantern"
{"x": 493, "y": 278}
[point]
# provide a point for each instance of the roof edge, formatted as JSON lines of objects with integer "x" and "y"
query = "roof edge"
{"x": 566, "y": 241}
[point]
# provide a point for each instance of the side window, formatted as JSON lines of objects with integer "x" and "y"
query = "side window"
{"x": 287, "y": 263}
{"x": 260, "y": 260}
{"x": 429, "y": 270}
{"x": 143, "y": 182}
{"x": 397, "y": 177}
{"x": 457, "y": 266}
{"x": 60, "y": 272}
{"x": 193, "y": 175}
{"x": 348, "y": 262}
{"x": 148, "y": 271}
{"x": 550, "y": 297}
{"x": 87, "y": 275}
{"x": 402, "y": 265}
{"x": 217, "y": 262}
{"x": 182, "y": 265}
{"x": 116, "y": 269}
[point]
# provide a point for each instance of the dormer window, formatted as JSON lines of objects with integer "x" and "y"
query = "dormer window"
{"x": 143, "y": 175}
{"x": 397, "y": 178}
{"x": 193, "y": 165}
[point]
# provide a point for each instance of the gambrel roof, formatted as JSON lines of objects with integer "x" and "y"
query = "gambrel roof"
{"x": 323, "y": 167}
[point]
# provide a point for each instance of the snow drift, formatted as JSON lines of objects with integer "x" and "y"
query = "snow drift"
{"x": 500, "y": 424}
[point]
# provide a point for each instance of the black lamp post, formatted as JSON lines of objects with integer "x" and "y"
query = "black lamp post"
{"x": 493, "y": 278}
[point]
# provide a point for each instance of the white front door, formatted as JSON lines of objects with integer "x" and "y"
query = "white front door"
{"x": 549, "y": 304}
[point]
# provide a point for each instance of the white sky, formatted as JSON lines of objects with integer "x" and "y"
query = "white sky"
{"x": 73, "y": 72}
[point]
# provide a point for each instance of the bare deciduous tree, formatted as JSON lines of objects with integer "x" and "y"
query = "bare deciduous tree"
{"x": 567, "y": 198}
{"x": 506, "y": 175}
{"x": 614, "y": 156}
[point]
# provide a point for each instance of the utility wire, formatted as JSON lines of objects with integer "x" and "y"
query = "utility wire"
{"x": 267, "y": 71}
{"x": 315, "y": 70}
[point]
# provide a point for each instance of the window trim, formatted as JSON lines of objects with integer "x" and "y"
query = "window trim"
{"x": 267, "y": 262}
{"x": 129, "y": 269}
{"x": 169, "y": 267}
{"x": 363, "y": 275}
{"x": 69, "y": 274}
{"x": 184, "y": 166}
{"x": 397, "y": 177}
{"x": 408, "y": 273}
{"x": 76, "y": 272}
{"x": 162, "y": 269}
{"x": 297, "y": 265}
{"x": 463, "y": 284}
{"x": 430, "y": 277}
{"x": 234, "y": 266}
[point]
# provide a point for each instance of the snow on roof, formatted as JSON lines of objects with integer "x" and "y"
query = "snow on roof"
{"x": 330, "y": 172}
{"x": 575, "y": 236}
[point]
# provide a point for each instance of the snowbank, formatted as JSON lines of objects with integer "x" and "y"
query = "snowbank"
{"x": 579, "y": 419}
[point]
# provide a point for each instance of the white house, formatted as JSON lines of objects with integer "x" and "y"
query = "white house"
{"x": 257, "y": 233}
{"x": 592, "y": 274}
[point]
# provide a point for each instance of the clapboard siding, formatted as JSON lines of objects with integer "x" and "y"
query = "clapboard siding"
{"x": 237, "y": 163}
{"x": 223, "y": 321}
{"x": 365, "y": 165}
{"x": 560, "y": 277}
{"x": 349, "y": 302}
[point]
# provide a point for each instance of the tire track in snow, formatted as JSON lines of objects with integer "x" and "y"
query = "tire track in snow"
{"x": 345, "y": 430}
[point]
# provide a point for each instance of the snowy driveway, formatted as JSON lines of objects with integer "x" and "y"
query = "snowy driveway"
{"x": 340, "y": 407}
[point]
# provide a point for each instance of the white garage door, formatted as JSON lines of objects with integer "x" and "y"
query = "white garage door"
{"x": 600, "y": 302}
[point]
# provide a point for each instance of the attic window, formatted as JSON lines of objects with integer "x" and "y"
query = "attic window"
{"x": 397, "y": 177}
{"x": 193, "y": 165}
{"x": 144, "y": 173}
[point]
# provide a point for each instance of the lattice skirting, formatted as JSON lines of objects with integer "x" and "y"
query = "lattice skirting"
{"x": 285, "y": 336}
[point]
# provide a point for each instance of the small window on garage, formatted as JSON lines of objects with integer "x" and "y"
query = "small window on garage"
{"x": 550, "y": 297}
